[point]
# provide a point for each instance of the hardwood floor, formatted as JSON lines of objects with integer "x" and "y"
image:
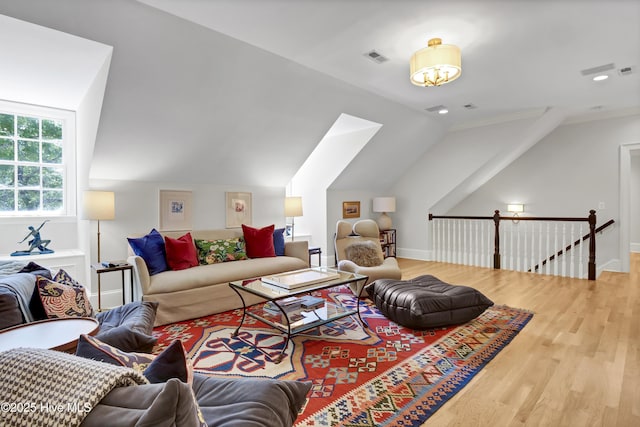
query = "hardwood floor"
{"x": 577, "y": 362}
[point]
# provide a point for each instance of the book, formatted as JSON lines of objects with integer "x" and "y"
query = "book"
{"x": 309, "y": 301}
{"x": 296, "y": 279}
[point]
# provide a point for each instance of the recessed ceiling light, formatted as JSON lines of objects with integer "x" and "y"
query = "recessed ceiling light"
{"x": 600, "y": 78}
{"x": 443, "y": 111}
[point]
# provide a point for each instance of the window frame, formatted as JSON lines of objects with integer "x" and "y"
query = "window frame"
{"x": 69, "y": 193}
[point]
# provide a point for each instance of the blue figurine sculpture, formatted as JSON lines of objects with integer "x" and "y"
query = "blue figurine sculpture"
{"x": 35, "y": 243}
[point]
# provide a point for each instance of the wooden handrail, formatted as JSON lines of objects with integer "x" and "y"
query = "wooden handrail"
{"x": 591, "y": 219}
{"x": 571, "y": 246}
{"x": 512, "y": 218}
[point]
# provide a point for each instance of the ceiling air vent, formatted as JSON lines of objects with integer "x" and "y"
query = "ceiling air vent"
{"x": 376, "y": 57}
{"x": 470, "y": 106}
{"x": 625, "y": 71}
{"x": 597, "y": 70}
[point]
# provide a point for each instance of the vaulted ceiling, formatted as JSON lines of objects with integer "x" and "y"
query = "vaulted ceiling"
{"x": 517, "y": 56}
{"x": 240, "y": 92}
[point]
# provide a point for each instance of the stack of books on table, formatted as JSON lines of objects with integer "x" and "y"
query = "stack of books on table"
{"x": 310, "y": 302}
{"x": 299, "y": 310}
{"x": 290, "y": 306}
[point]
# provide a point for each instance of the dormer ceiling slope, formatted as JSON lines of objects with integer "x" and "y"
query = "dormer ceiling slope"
{"x": 240, "y": 92}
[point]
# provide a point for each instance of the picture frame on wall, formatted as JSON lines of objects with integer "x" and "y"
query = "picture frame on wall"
{"x": 351, "y": 209}
{"x": 238, "y": 209}
{"x": 175, "y": 210}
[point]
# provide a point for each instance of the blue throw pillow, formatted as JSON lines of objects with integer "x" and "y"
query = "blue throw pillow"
{"x": 278, "y": 241}
{"x": 151, "y": 249}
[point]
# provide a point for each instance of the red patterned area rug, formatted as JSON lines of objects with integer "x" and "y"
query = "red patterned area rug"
{"x": 384, "y": 375}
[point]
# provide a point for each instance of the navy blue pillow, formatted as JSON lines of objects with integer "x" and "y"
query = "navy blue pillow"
{"x": 278, "y": 241}
{"x": 151, "y": 249}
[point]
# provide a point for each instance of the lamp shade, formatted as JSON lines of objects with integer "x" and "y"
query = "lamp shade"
{"x": 384, "y": 204}
{"x": 436, "y": 64}
{"x": 293, "y": 206}
{"x": 99, "y": 205}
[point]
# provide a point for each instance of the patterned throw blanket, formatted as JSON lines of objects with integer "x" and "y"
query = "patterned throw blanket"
{"x": 50, "y": 388}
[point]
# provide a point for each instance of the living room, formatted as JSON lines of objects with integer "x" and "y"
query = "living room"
{"x": 163, "y": 102}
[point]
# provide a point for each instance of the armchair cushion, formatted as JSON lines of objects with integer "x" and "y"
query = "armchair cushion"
{"x": 364, "y": 254}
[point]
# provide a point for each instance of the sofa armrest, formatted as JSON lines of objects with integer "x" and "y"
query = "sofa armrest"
{"x": 299, "y": 249}
{"x": 141, "y": 278}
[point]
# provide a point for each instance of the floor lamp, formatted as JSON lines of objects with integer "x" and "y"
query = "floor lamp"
{"x": 99, "y": 205}
{"x": 292, "y": 208}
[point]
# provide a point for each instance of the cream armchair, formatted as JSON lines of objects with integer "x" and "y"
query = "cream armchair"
{"x": 358, "y": 250}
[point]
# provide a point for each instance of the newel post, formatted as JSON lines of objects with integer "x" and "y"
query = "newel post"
{"x": 496, "y": 250}
{"x": 592, "y": 245}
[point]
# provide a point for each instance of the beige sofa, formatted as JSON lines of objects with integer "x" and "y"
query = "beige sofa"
{"x": 203, "y": 290}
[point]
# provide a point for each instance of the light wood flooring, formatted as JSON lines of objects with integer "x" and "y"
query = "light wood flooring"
{"x": 577, "y": 362}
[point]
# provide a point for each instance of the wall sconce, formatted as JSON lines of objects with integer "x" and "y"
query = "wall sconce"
{"x": 515, "y": 209}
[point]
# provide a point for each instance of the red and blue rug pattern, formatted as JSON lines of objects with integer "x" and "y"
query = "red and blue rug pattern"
{"x": 383, "y": 375}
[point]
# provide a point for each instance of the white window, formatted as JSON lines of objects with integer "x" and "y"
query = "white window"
{"x": 37, "y": 157}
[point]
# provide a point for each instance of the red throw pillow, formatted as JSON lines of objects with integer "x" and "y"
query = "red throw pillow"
{"x": 181, "y": 252}
{"x": 259, "y": 241}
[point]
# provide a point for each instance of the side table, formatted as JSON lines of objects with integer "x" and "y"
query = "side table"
{"x": 55, "y": 334}
{"x": 101, "y": 269}
{"x": 316, "y": 250}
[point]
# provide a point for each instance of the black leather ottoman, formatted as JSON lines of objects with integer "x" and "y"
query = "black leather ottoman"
{"x": 426, "y": 302}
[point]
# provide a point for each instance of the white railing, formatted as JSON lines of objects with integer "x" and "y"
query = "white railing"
{"x": 544, "y": 245}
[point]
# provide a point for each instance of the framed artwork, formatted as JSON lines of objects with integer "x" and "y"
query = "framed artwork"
{"x": 351, "y": 209}
{"x": 175, "y": 210}
{"x": 238, "y": 209}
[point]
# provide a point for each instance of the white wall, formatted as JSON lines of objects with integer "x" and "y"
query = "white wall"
{"x": 635, "y": 201}
{"x": 444, "y": 167}
{"x": 342, "y": 143}
{"x": 572, "y": 170}
{"x": 137, "y": 212}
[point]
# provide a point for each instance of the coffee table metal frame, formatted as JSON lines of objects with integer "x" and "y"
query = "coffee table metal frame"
{"x": 267, "y": 292}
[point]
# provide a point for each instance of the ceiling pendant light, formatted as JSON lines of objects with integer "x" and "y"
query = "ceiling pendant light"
{"x": 436, "y": 64}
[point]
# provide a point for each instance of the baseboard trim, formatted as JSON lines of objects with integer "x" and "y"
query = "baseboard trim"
{"x": 614, "y": 265}
{"x": 417, "y": 254}
{"x": 635, "y": 247}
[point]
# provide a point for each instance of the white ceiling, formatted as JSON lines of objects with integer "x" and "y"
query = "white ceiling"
{"x": 517, "y": 56}
{"x": 70, "y": 65}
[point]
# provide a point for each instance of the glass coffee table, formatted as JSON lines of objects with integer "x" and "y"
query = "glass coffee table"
{"x": 283, "y": 303}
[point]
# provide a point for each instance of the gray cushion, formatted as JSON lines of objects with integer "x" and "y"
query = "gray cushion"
{"x": 223, "y": 402}
{"x": 246, "y": 402}
{"x": 426, "y": 302}
{"x": 10, "y": 314}
{"x": 160, "y": 405}
{"x": 129, "y": 327}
